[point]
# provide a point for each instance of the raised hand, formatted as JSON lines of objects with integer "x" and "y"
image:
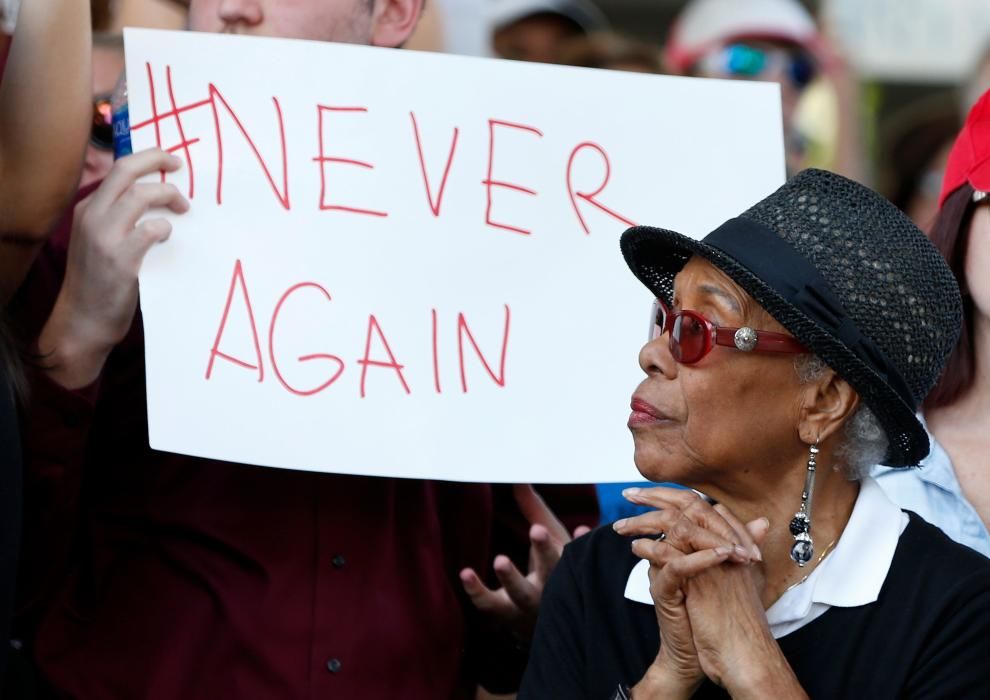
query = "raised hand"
{"x": 516, "y": 603}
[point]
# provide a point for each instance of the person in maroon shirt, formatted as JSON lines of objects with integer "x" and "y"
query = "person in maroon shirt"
{"x": 154, "y": 575}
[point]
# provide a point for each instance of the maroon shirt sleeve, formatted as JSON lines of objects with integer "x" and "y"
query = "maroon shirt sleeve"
{"x": 54, "y": 430}
{"x": 55, "y": 426}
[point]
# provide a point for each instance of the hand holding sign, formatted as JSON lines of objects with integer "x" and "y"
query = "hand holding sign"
{"x": 517, "y": 602}
{"x": 97, "y": 301}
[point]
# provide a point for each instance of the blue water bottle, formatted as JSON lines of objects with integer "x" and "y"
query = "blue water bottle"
{"x": 121, "y": 120}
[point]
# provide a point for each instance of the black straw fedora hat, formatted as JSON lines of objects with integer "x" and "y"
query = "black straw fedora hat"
{"x": 848, "y": 274}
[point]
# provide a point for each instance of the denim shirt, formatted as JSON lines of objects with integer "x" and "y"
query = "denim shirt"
{"x": 932, "y": 491}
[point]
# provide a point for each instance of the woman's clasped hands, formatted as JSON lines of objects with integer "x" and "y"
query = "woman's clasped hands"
{"x": 706, "y": 582}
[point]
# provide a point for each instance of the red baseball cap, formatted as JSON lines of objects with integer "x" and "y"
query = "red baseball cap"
{"x": 969, "y": 159}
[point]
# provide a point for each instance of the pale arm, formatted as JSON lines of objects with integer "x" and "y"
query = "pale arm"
{"x": 45, "y": 105}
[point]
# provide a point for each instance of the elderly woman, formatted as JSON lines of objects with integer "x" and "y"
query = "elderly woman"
{"x": 790, "y": 350}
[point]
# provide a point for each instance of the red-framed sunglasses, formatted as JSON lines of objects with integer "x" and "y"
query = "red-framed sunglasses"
{"x": 692, "y": 336}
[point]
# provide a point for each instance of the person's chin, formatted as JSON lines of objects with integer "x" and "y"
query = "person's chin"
{"x": 656, "y": 464}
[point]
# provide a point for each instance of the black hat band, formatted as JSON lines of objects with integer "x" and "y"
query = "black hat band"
{"x": 770, "y": 258}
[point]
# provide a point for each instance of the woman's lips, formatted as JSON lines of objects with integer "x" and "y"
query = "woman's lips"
{"x": 645, "y": 414}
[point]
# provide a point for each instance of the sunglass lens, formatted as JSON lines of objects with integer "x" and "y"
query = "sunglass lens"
{"x": 101, "y": 133}
{"x": 659, "y": 319}
{"x": 102, "y": 137}
{"x": 687, "y": 338}
{"x": 744, "y": 60}
{"x": 676, "y": 348}
{"x": 802, "y": 70}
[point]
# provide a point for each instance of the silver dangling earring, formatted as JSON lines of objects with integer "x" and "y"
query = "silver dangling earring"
{"x": 803, "y": 548}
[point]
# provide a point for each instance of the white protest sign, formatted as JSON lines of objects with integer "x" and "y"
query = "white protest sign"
{"x": 912, "y": 40}
{"x": 407, "y": 264}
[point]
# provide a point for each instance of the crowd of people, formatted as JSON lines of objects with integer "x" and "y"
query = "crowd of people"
{"x": 842, "y": 554}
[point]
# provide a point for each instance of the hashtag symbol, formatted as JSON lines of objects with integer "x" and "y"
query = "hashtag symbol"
{"x": 176, "y": 112}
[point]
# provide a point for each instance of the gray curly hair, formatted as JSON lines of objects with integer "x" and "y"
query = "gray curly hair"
{"x": 864, "y": 442}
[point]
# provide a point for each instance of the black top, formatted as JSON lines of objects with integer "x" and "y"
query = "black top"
{"x": 10, "y": 506}
{"x": 926, "y": 636}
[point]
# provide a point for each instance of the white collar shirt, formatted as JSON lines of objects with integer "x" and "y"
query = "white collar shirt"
{"x": 851, "y": 575}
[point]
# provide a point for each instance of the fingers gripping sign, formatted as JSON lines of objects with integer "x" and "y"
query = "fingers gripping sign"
{"x": 517, "y": 601}
{"x": 109, "y": 242}
{"x": 110, "y": 236}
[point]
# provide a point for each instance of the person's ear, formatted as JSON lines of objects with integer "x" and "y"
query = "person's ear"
{"x": 394, "y": 21}
{"x": 827, "y": 403}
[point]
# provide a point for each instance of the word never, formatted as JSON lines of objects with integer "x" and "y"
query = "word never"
{"x": 215, "y": 101}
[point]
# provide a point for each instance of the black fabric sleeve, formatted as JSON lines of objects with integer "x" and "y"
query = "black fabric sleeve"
{"x": 556, "y": 660}
{"x": 955, "y": 662}
{"x": 10, "y": 509}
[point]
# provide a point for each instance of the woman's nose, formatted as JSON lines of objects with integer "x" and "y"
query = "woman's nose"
{"x": 655, "y": 357}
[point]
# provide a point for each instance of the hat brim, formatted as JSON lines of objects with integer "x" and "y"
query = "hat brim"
{"x": 656, "y": 255}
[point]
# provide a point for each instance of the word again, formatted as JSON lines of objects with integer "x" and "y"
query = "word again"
{"x": 377, "y": 352}
{"x": 583, "y": 197}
